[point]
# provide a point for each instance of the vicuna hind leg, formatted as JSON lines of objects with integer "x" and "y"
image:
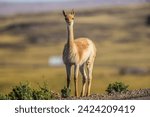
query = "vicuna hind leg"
{"x": 84, "y": 78}
{"x": 76, "y": 72}
{"x": 89, "y": 70}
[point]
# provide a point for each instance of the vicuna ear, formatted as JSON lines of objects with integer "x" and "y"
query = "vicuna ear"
{"x": 72, "y": 12}
{"x": 64, "y": 13}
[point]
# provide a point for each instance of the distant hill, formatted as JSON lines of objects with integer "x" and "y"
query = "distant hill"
{"x": 10, "y": 8}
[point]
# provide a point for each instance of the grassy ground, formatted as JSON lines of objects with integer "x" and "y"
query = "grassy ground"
{"x": 121, "y": 35}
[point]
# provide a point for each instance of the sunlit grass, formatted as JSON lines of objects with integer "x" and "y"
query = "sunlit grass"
{"x": 33, "y": 67}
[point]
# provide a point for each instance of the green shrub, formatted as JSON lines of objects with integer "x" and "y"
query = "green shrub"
{"x": 21, "y": 92}
{"x": 65, "y": 92}
{"x": 24, "y": 92}
{"x": 117, "y": 87}
{"x": 3, "y": 97}
{"x": 43, "y": 93}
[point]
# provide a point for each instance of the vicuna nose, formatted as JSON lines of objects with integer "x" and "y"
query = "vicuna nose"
{"x": 68, "y": 21}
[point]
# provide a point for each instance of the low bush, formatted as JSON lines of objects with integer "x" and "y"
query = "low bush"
{"x": 117, "y": 87}
{"x": 43, "y": 94}
{"x": 24, "y": 92}
{"x": 65, "y": 92}
{"x": 21, "y": 92}
{"x": 3, "y": 97}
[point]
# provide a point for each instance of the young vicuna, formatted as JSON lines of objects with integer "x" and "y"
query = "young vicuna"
{"x": 80, "y": 52}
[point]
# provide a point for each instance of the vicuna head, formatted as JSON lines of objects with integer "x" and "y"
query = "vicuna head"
{"x": 69, "y": 18}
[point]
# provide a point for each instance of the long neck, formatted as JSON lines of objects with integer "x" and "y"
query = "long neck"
{"x": 70, "y": 34}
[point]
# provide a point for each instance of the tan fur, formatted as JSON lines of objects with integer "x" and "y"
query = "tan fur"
{"x": 79, "y": 52}
{"x": 82, "y": 45}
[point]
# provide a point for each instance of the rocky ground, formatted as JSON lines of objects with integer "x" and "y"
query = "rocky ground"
{"x": 140, "y": 94}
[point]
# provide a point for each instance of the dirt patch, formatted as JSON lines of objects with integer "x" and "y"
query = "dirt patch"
{"x": 140, "y": 94}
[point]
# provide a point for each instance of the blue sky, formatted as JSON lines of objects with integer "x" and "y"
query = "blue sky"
{"x": 33, "y": 0}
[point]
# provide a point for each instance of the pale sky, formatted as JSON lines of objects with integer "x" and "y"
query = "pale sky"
{"x": 33, "y": 0}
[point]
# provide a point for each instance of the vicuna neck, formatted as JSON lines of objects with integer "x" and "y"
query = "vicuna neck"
{"x": 70, "y": 34}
